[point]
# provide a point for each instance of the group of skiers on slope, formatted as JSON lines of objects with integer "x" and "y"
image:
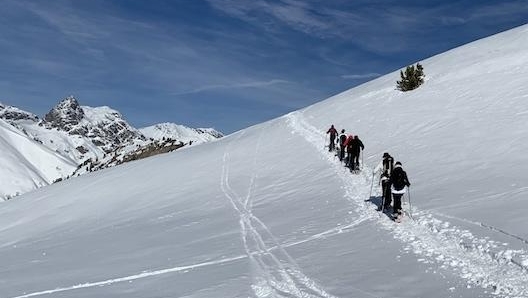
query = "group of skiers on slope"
{"x": 393, "y": 178}
{"x": 349, "y": 143}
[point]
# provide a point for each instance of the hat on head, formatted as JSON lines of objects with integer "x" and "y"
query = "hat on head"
{"x": 386, "y": 154}
{"x": 398, "y": 163}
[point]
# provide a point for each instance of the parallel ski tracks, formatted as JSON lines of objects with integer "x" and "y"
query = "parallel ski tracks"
{"x": 276, "y": 274}
{"x": 479, "y": 261}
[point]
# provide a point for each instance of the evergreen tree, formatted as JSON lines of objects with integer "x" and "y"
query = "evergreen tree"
{"x": 411, "y": 79}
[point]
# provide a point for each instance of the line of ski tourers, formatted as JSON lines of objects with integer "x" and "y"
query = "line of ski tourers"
{"x": 392, "y": 177}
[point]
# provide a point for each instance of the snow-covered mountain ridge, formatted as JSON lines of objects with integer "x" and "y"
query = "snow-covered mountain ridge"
{"x": 86, "y": 138}
{"x": 180, "y": 132}
{"x": 269, "y": 212}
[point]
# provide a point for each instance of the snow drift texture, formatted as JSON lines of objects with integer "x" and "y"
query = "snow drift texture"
{"x": 268, "y": 212}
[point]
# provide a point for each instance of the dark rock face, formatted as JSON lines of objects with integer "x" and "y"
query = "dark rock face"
{"x": 108, "y": 131}
{"x": 65, "y": 115}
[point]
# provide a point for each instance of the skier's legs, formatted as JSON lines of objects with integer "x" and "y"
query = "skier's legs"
{"x": 341, "y": 152}
{"x": 397, "y": 203}
{"x": 352, "y": 163}
{"x": 331, "y": 146}
{"x": 356, "y": 160}
{"x": 387, "y": 196}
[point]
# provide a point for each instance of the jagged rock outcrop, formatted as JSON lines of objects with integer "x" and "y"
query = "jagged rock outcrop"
{"x": 104, "y": 126}
{"x": 65, "y": 116}
{"x": 11, "y": 114}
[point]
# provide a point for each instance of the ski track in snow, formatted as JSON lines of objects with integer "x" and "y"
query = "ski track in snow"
{"x": 481, "y": 262}
{"x": 148, "y": 273}
{"x": 275, "y": 273}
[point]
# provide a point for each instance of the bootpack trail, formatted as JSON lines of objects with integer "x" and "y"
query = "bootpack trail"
{"x": 480, "y": 261}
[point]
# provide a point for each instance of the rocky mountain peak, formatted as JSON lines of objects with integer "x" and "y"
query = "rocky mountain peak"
{"x": 66, "y": 114}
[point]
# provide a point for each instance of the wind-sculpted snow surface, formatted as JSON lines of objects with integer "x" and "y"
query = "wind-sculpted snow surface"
{"x": 482, "y": 262}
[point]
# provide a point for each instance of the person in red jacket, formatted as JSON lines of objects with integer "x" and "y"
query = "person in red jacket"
{"x": 346, "y": 144}
{"x": 333, "y": 134}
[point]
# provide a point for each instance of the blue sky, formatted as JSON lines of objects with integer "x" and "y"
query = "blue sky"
{"x": 226, "y": 64}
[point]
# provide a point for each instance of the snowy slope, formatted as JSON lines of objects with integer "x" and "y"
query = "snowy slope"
{"x": 26, "y": 164}
{"x": 268, "y": 212}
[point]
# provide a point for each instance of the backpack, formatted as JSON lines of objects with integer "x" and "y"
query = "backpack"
{"x": 342, "y": 139}
{"x": 398, "y": 179}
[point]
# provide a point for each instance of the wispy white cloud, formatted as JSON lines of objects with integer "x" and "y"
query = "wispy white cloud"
{"x": 287, "y": 54}
{"x": 324, "y": 21}
{"x": 253, "y": 84}
{"x": 504, "y": 9}
{"x": 450, "y": 20}
{"x": 384, "y": 30}
{"x": 360, "y": 76}
{"x": 298, "y": 15}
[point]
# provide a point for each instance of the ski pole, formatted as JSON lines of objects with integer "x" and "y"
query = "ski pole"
{"x": 362, "y": 159}
{"x": 382, "y": 200}
{"x": 371, "y": 184}
{"x": 410, "y": 206}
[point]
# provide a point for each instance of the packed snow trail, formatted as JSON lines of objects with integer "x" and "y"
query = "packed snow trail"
{"x": 480, "y": 262}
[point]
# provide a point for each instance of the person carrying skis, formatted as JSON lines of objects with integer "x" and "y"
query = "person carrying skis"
{"x": 385, "y": 192}
{"x": 385, "y": 168}
{"x": 385, "y": 165}
{"x": 356, "y": 147}
{"x": 342, "y": 139}
{"x": 333, "y": 133}
{"x": 398, "y": 181}
{"x": 388, "y": 163}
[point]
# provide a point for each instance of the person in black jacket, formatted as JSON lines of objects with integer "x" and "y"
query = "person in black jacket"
{"x": 355, "y": 149}
{"x": 398, "y": 180}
